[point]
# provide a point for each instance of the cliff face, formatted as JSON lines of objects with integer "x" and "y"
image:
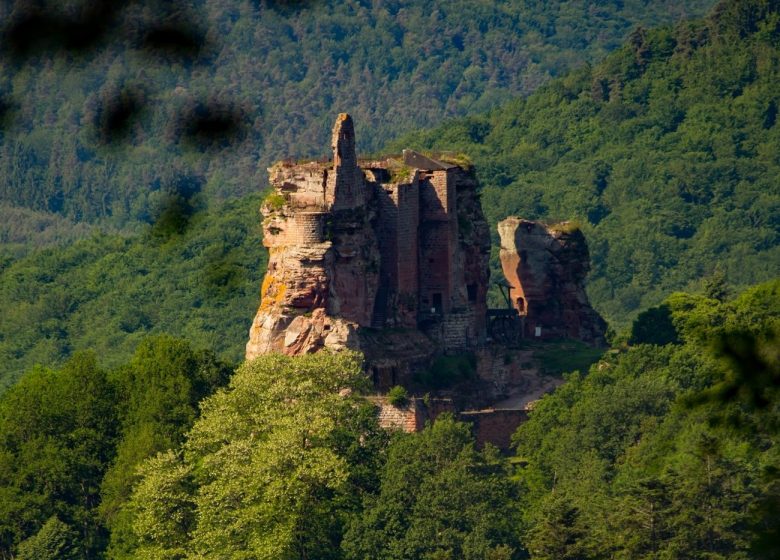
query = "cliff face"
{"x": 353, "y": 245}
{"x": 546, "y": 268}
{"x": 390, "y": 257}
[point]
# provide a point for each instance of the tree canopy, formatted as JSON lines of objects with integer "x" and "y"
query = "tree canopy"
{"x": 106, "y": 132}
{"x": 70, "y": 439}
{"x": 663, "y": 451}
{"x": 665, "y": 153}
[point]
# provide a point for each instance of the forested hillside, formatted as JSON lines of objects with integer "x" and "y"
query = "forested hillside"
{"x": 195, "y": 274}
{"x": 104, "y": 133}
{"x": 131, "y": 443}
{"x": 667, "y": 154}
{"x": 664, "y": 451}
{"x": 661, "y": 450}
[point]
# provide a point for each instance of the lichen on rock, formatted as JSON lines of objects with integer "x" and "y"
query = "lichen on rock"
{"x": 359, "y": 245}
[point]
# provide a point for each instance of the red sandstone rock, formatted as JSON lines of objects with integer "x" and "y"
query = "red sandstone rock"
{"x": 400, "y": 244}
{"x": 546, "y": 267}
{"x": 391, "y": 257}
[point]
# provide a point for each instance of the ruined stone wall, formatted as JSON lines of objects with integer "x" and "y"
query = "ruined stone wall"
{"x": 408, "y": 418}
{"x": 458, "y": 330}
{"x": 345, "y": 188}
{"x": 387, "y": 229}
{"x": 455, "y": 332}
{"x": 488, "y": 426}
{"x": 436, "y": 244}
{"x": 407, "y": 266}
{"x": 355, "y": 270}
{"x": 397, "y": 233}
{"x": 307, "y": 228}
{"x": 375, "y": 247}
{"x": 302, "y": 185}
{"x": 438, "y": 195}
{"x": 494, "y": 426}
{"x": 434, "y": 264}
{"x": 470, "y": 249}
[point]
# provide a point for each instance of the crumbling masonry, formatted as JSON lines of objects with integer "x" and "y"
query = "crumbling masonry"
{"x": 390, "y": 257}
{"x": 399, "y": 243}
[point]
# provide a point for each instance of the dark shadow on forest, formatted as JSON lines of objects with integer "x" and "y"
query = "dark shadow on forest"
{"x": 119, "y": 110}
{"x": 45, "y": 29}
{"x": 179, "y": 203}
{"x": 210, "y": 125}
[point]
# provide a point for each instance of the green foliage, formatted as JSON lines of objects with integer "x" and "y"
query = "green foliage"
{"x": 274, "y": 201}
{"x": 162, "y": 509}
{"x": 400, "y": 173}
{"x": 446, "y": 371}
{"x": 396, "y": 66}
{"x": 665, "y": 152}
{"x": 55, "y": 541}
{"x": 654, "y": 326}
{"x": 159, "y": 391}
{"x": 716, "y": 287}
{"x": 71, "y": 438}
{"x": 398, "y": 396}
{"x": 109, "y": 292}
{"x": 439, "y": 498}
{"x": 569, "y": 226}
{"x": 460, "y": 159}
{"x": 562, "y": 356}
{"x": 640, "y": 459}
{"x": 271, "y": 469}
{"x": 57, "y": 434}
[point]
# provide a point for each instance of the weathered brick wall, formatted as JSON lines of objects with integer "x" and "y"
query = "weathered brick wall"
{"x": 458, "y": 331}
{"x": 436, "y": 197}
{"x": 488, "y": 426}
{"x": 494, "y": 426}
{"x": 409, "y": 418}
{"x": 387, "y": 234}
{"x": 408, "y": 200}
{"x": 434, "y": 259}
{"x": 302, "y": 185}
{"x": 307, "y": 228}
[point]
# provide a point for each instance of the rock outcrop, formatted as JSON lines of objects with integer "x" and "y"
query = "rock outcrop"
{"x": 400, "y": 243}
{"x": 390, "y": 257}
{"x": 546, "y": 268}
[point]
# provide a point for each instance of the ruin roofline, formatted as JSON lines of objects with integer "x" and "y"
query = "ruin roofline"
{"x": 422, "y": 161}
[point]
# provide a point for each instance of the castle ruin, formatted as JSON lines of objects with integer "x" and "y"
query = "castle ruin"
{"x": 395, "y": 243}
{"x": 390, "y": 257}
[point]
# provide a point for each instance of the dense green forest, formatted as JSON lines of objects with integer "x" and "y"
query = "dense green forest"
{"x": 196, "y": 274}
{"x": 667, "y": 154}
{"x": 283, "y": 69}
{"x": 143, "y": 436}
{"x": 665, "y": 450}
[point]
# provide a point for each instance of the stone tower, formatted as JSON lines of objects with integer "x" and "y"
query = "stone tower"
{"x": 357, "y": 245}
{"x": 345, "y": 188}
